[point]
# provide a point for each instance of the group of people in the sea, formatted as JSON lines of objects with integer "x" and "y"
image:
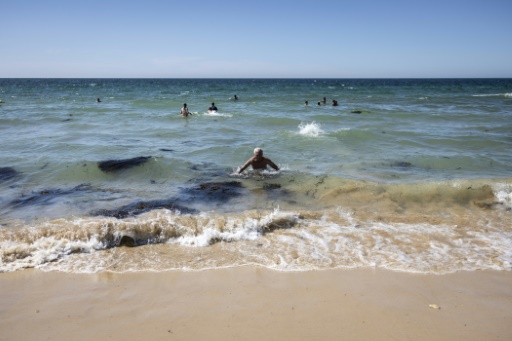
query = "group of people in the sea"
{"x": 185, "y": 112}
{"x": 258, "y": 161}
{"x": 213, "y": 108}
{"x": 323, "y": 101}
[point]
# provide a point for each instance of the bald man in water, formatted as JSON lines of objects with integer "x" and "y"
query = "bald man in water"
{"x": 258, "y": 161}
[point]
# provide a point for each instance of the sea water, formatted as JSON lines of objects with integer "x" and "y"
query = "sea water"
{"x": 409, "y": 175}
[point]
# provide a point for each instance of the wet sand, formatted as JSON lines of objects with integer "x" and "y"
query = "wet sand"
{"x": 256, "y": 304}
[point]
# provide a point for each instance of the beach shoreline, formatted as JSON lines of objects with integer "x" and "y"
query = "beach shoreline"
{"x": 253, "y": 303}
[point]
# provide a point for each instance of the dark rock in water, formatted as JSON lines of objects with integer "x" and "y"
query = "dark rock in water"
{"x": 116, "y": 165}
{"x": 127, "y": 241}
{"x": 7, "y": 173}
{"x": 206, "y": 171}
{"x": 43, "y": 197}
{"x": 271, "y": 186}
{"x": 401, "y": 164}
{"x": 203, "y": 166}
{"x": 213, "y": 191}
{"x": 276, "y": 192}
{"x": 356, "y": 112}
{"x": 144, "y": 206}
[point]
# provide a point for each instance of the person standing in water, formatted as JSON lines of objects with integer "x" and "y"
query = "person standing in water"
{"x": 213, "y": 107}
{"x": 258, "y": 161}
{"x": 184, "y": 111}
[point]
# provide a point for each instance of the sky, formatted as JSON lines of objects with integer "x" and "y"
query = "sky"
{"x": 255, "y": 39}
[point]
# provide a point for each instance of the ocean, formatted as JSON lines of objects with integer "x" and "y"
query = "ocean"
{"x": 409, "y": 175}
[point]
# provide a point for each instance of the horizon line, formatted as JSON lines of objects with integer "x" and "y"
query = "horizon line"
{"x": 245, "y": 78}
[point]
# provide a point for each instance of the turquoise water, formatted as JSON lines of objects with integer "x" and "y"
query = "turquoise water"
{"x": 394, "y": 155}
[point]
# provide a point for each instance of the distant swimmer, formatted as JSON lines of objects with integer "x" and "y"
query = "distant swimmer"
{"x": 184, "y": 111}
{"x": 213, "y": 107}
{"x": 324, "y": 100}
{"x": 234, "y": 98}
{"x": 306, "y": 103}
{"x": 98, "y": 100}
{"x": 334, "y": 103}
{"x": 258, "y": 161}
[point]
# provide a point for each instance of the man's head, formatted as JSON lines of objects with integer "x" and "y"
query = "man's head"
{"x": 258, "y": 152}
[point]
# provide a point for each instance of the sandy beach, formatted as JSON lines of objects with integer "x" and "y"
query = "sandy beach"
{"x": 255, "y": 304}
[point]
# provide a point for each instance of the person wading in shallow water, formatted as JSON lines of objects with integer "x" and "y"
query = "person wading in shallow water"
{"x": 213, "y": 107}
{"x": 258, "y": 161}
{"x": 184, "y": 111}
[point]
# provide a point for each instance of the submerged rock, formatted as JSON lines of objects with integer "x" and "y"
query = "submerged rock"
{"x": 7, "y": 173}
{"x": 43, "y": 197}
{"x": 116, "y": 165}
{"x": 143, "y": 207}
{"x": 127, "y": 241}
{"x": 271, "y": 186}
{"x": 213, "y": 191}
{"x": 401, "y": 164}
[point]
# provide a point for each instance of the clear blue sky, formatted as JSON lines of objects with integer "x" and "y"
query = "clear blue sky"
{"x": 260, "y": 38}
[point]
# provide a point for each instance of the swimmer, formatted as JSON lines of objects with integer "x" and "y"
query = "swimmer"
{"x": 213, "y": 107}
{"x": 306, "y": 103}
{"x": 184, "y": 111}
{"x": 334, "y": 103}
{"x": 258, "y": 161}
{"x": 98, "y": 100}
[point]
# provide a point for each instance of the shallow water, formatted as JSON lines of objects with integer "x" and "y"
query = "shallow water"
{"x": 409, "y": 175}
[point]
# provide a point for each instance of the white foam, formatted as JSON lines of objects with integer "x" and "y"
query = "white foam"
{"x": 508, "y": 94}
{"x": 43, "y": 251}
{"x": 503, "y": 193}
{"x": 258, "y": 173}
{"x": 312, "y": 129}
{"x": 416, "y": 248}
{"x": 233, "y": 229}
{"x": 281, "y": 240}
{"x": 216, "y": 114}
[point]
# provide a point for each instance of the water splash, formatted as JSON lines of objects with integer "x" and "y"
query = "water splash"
{"x": 312, "y": 129}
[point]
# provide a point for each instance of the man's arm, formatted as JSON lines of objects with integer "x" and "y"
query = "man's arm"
{"x": 273, "y": 165}
{"x": 245, "y": 165}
